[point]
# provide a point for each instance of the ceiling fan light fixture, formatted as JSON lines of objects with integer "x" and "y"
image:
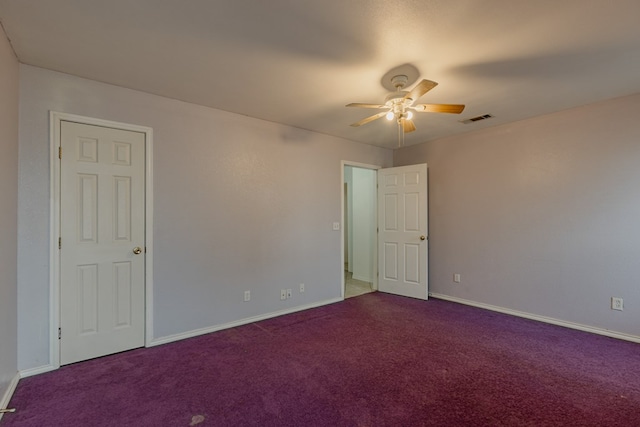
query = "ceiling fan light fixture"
{"x": 400, "y": 104}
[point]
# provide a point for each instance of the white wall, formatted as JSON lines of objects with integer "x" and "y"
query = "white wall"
{"x": 542, "y": 215}
{"x": 364, "y": 222}
{"x": 348, "y": 229}
{"x": 9, "y": 84}
{"x": 240, "y": 204}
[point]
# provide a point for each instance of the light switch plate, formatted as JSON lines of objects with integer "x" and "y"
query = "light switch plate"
{"x": 617, "y": 303}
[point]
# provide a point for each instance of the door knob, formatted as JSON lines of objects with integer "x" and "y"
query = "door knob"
{"x": 137, "y": 250}
{"x": 423, "y": 237}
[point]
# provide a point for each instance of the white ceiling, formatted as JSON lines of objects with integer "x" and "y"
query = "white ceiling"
{"x": 299, "y": 62}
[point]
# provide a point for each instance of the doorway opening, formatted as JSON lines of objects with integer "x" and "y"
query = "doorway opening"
{"x": 392, "y": 253}
{"x": 360, "y": 222}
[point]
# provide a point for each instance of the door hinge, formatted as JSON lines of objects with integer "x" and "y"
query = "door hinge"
{"x": 60, "y": 152}
{"x": 59, "y": 333}
{"x": 59, "y": 242}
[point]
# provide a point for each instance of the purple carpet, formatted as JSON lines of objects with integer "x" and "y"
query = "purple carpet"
{"x": 375, "y": 360}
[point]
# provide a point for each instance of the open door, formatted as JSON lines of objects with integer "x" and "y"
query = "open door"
{"x": 402, "y": 231}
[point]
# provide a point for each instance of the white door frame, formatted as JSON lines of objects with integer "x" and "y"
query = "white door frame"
{"x": 55, "y": 118}
{"x": 344, "y": 163}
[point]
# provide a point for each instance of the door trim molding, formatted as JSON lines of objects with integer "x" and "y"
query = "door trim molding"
{"x": 55, "y": 119}
{"x": 344, "y": 163}
{"x": 6, "y": 398}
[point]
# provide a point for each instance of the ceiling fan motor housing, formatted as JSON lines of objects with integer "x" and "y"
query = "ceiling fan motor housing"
{"x": 398, "y": 103}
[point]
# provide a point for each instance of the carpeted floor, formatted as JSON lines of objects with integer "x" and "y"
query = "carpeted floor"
{"x": 374, "y": 360}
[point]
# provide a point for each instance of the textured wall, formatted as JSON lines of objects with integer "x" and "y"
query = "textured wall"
{"x": 240, "y": 204}
{"x": 540, "y": 215}
{"x": 8, "y": 212}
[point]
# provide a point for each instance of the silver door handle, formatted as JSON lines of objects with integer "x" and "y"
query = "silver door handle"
{"x": 423, "y": 237}
{"x": 137, "y": 250}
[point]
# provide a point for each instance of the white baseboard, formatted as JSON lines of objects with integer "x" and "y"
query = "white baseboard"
{"x": 545, "y": 319}
{"x": 196, "y": 332}
{"x": 36, "y": 371}
{"x": 6, "y": 398}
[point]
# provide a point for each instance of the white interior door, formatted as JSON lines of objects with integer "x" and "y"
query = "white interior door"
{"x": 402, "y": 231}
{"x": 102, "y": 228}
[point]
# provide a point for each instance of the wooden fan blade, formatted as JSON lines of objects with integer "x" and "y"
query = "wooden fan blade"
{"x": 421, "y": 88}
{"x": 408, "y": 126}
{"x": 361, "y": 105}
{"x": 439, "y": 108}
{"x": 369, "y": 119}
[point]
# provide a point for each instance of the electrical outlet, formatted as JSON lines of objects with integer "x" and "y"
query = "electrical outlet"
{"x": 456, "y": 278}
{"x": 289, "y": 293}
{"x": 247, "y": 295}
{"x": 301, "y": 288}
{"x": 336, "y": 226}
{"x": 616, "y": 303}
{"x": 283, "y": 294}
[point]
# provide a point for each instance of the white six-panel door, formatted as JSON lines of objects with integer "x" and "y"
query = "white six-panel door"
{"x": 102, "y": 199}
{"x": 402, "y": 231}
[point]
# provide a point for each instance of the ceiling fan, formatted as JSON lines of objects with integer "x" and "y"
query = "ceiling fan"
{"x": 399, "y": 105}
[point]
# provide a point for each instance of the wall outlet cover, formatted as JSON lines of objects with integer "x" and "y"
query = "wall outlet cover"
{"x": 617, "y": 304}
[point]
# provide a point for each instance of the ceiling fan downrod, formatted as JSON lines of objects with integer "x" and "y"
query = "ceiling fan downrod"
{"x": 399, "y": 81}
